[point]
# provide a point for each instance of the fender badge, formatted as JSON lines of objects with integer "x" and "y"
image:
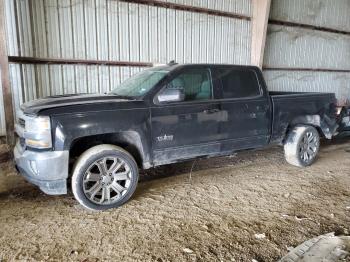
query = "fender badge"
{"x": 165, "y": 138}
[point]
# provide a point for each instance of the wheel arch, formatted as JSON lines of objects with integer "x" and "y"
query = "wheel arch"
{"x": 324, "y": 125}
{"x": 131, "y": 141}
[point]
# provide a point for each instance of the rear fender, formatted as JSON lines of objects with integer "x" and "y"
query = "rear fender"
{"x": 325, "y": 124}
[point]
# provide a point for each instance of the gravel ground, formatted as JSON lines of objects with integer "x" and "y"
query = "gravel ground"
{"x": 248, "y": 206}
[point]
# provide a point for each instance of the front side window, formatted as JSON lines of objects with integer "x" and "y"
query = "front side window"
{"x": 139, "y": 84}
{"x": 196, "y": 84}
{"x": 238, "y": 83}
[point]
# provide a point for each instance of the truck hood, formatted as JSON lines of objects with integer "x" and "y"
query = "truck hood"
{"x": 36, "y": 106}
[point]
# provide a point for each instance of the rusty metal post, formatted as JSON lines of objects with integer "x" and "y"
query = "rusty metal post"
{"x": 5, "y": 79}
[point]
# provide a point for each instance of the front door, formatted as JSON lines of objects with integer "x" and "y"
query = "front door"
{"x": 188, "y": 128}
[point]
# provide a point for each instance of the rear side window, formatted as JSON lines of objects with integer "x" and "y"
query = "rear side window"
{"x": 238, "y": 83}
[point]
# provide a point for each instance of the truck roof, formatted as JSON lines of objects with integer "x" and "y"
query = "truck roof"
{"x": 172, "y": 66}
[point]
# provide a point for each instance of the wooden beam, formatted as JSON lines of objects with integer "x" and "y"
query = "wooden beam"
{"x": 61, "y": 61}
{"x": 189, "y": 8}
{"x": 328, "y": 70}
{"x": 307, "y": 26}
{"x": 261, "y": 11}
{"x": 5, "y": 79}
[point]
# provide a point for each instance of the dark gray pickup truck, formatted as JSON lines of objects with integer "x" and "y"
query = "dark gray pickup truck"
{"x": 162, "y": 115}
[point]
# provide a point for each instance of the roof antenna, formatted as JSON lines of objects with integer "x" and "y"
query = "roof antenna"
{"x": 172, "y": 62}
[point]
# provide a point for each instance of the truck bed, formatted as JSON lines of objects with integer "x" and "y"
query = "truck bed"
{"x": 289, "y": 108}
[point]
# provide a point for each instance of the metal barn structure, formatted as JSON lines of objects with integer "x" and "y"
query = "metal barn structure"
{"x": 55, "y": 47}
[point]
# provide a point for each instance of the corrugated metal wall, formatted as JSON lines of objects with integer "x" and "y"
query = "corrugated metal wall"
{"x": 304, "y": 48}
{"x": 115, "y": 30}
{"x": 297, "y": 47}
{"x": 303, "y": 81}
{"x": 324, "y": 13}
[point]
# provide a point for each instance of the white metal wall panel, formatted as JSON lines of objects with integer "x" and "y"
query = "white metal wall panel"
{"x": 162, "y": 34}
{"x": 171, "y": 34}
{"x": 115, "y": 30}
{"x": 109, "y": 29}
{"x": 187, "y": 37}
{"x": 24, "y": 31}
{"x": 124, "y": 45}
{"x": 90, "y": 29}
{"x": 75, "y": 79}
{"x": 144, "y": 34}
{"x": 294, "y": 47}
{"x": 79, "y": 29}
{"x": 52, "y": 21}
{"x": 153, "y": 33}
{"x": 303, "y": 81}
{"x": 29, "y": 83}
{"x": 43, "y": 80}
{"x": 102, "y": 29}
{"x": 297, "y": 47}
{"x": 323, "y": 13}
{"x": 38, "y": 26}
{"x": 65, "y": 28}
{"x": 15, "y": 72}
{"x": 12, "y": 40}
{"x": 80, "y": 79}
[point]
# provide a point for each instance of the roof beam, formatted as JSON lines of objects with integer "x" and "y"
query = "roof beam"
{"x": 5, "y": 79}
{"x": 307, "y": 26}
{"x": 261, "y": 11}
{"x": 58, "y": 61}
{"x": 329, "y": 70}
{"x": 189, "y": 8}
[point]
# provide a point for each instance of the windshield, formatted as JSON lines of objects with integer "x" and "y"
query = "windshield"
{"x": 139, "y": 84}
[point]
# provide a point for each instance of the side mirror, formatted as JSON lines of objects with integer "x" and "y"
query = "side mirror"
{"x": 171, "y": 95}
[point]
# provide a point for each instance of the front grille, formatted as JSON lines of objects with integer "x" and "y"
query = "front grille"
{"x": 22, "y": 122}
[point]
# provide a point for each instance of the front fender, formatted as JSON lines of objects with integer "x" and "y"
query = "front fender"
{"x": 132, "y": 126}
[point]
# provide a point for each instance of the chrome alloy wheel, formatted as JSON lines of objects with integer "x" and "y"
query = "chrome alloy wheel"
{"x": 308, "y": 147}
{"x": 107, "y": 180}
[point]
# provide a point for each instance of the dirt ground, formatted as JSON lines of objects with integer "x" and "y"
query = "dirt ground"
{"x": 251, "y": 206}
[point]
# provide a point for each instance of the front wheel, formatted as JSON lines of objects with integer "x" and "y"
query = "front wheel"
{"x": 302, "y": 145}
{"x": 104, "y": 177}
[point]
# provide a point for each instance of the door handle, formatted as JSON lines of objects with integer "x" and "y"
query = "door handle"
{"x": 211, "y": 111}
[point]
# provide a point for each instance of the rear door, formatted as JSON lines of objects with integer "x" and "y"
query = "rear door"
{"x": 245, "y": 107}
{"x": 189, "y": 128}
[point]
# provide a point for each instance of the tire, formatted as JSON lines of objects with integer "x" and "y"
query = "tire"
{"x": 104, "y": 177}
{"x": 302, "y": 145}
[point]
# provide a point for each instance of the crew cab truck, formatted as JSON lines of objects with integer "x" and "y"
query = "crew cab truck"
{"x": 162, "y": 115}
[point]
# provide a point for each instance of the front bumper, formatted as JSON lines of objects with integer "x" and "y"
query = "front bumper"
{"x": 48, "y": 170}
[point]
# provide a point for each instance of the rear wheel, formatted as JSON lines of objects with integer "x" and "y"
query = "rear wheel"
{"x": 302, "y": 145}
{"x": 104, "y": 177}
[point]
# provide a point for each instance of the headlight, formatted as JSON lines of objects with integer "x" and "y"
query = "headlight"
{"x": 38, "y": 132}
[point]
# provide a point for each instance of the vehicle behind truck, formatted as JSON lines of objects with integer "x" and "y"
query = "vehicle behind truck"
{"x": 162, "y": 115}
